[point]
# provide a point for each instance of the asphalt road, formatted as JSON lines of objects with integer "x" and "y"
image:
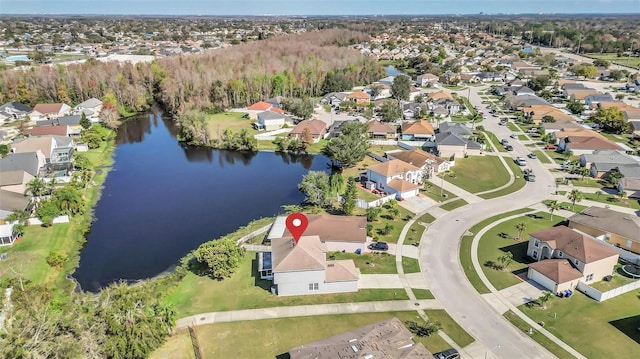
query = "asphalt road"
{"x": 440, "y": 258}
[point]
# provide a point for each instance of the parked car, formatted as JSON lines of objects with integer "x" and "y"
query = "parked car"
{"x": 532, "y": 155}
{"x": 379, "y": 246}
{"x": 550, "y": 147}
{"x": 508, "y": 148}
{"x": 513, "y": 135}
{"x": 504, "y": 141}
{"x": 565, "y": 165}
{"x": 532, "y": 130}
{"x": 447, "y": 354}
{"x": 529, "y": 175}
{"x": 521, "y": 161}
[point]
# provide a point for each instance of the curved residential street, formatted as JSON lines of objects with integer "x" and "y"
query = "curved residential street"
{"x": 440, "y": 258}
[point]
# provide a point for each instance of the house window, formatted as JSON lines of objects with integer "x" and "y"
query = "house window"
{"x": 628, "y": 244}
{"x": 589, "y": 277}
{"x": 313, "y": 287}
{"x": 559, "y": 254}
{"x": 536, "y": 243}
{"x": 535, "y": 255}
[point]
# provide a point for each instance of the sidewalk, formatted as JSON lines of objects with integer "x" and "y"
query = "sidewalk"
{"x": 306, "y": 311}
{"x": 461, "y": 193}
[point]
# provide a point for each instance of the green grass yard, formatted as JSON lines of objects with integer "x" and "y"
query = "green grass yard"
{"x": 478, "y": 173}
{"x": 437, "y": 194}
{"x": 597, "y": 330}
{"x": 233, "y": 121}
{"x": 613, "y": 200}
{"x": 517, "y": 184}
{"x": 541, "y": 157}
{"x": 410, "y": 265}
{"x": 537, "y": 336}
{"x": 195, "y": 294}
{"x": 632, "y": 61}
{"x": 256, "y": 339}
{"x": 369, "y": 263}
{"x": 495, "y": 141}
{"x": 422, "y": 293}
{"x": 454, "y": 204}
{"x": 397, "y": 223}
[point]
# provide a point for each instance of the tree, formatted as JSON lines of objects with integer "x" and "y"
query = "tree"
{"x": 373, "y": 213}
{"x": 576, "y": 107}
{"x": 36, "y": 188}
{"x": 613, "y": 177}
{"x": 583, "y": 172}
{"x": 611, "y": 120}
{"x": 4, "y": 150}
{"x": 47, "y": 211}
{"x": 601, "y": 63}
{"x": 109, "y": 115}
{"x": 20, "y": 220}
{"x": 387, "y": 229}
{"x": 401, "y": 87}
{"x": 349, "y": 148}
{"x": 390, "y": 110}
{"x": 69, "y": 200}
{"x": 586, "y": 71}
{"x": 56, "y": 259}
{"x": 544, "y": 298}
{"x": 315, "y": 186}
{"x": 336, "y": 183}
{"x": 302, "y": 108}
{"x": 423, "y": 330}
{"x": 538, "y": 83}
{"x": 84, "y": 121}
{"x": 505, "y": 260}
{"x": 81, "y": 161}
{"x": 520, "y": 227}
{"x": 394, "y": 212}
{"x": 553, "y": 206}
{"x": 575, "y": 196}
{"x": 350, "y": 196}
{"x": 219, "y": 258}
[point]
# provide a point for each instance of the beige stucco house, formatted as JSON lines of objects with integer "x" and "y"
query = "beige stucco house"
{"x": 565, "y": 257}
{"x": 619, "y": 229}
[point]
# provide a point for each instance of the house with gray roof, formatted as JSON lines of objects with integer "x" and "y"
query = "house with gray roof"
{"x": 616, "y": 228}
{"x": 14, "y": 110}
{"x": 270, "y": 121}
{"x": 603, "y": 161}
{"x": 29, "y": 162}
{"x": 334, "y": 98}
{"x": 591, "y": 101}
{"x": 451, "y": 145}
{"x": 517, "y": 102}
{"x": 90, "y": 107}
{"x": 457, "y": 128}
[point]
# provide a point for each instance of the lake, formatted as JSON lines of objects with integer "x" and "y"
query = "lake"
{"x": 162, "y": 199}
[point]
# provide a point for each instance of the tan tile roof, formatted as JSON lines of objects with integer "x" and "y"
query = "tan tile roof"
{"x": 316, "y": 127}
{"x": 359, "y": 95}
{"x": 558, "y": 270}
{"x": 610, "y": 221}
{"x": 46, "y": 108}
{"x": 33, "y": 144}
{"x": 392, "y": 167}
{"x": 592, "y": 143}
{"x": 440, "y": 94}
{"x": 416, "y": 157}
{"x": 537, "y": 112}
{"x": 574, "y": 244}
{"x": 308, "y": 254}
{"x": 417, "y": 128}
{"x": 341, "y": 271}
{"x": 384, "y": 340}
{"x": 401, "y": 185}
{"x": 336, "y": 228}
{"x": 376, "y": 126}
{"x": 619, "y": 104}
{"x": 9, "y": 178}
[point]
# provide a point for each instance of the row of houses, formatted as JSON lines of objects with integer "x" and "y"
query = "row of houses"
{"x": 15, "y": 110}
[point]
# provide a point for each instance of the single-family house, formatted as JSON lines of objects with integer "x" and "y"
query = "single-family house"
{"x": 30, "y": 162}
{"x": 630, "y": 186}
{"x": 302, "y": 268}
{"x": 456, "y": 128}
{"x": 592, "y": 101}
{"x": 48, "y": 131}
{"x": 7, "y": 234}
{"x": 359, "y": 97}
{"x": 270, "y": 121}
{"x": 276, "y": 101}
{"x": 417, "y": 131}
{"x": 259, "y": 107}
{"x": 427, "y": 80}
{"x": 616, "y": 228}
{"x": 551, "y": 127}
{"x": 386, "y": 339}
{"x": 334, "y": 98}
{"x": 50, "y": 110}
{"x": 388, "y": 81}
{"x": 565, "y": 257}
{"x": 469, "y": 78}
{"x": 72, "y": 121}
{"x": 379, "y": 130}
{"x": 90, "y": 107}
{"x": 631, "y": 114}
{"x": 397, "y": 177}
{"x": 14, "y": 110}
{"x": 523, "y": 90}
{"x": 411, "y": 110}
{"x": 450, "y": 146}
{"x": 316, "y": 128}
{"x": 15, "y": 181}
{"x": 538, "y": 112}
{"x": 56, "y": 149}
{"x": 335, "y": 130}
{"x": 514, "y": 102}
{"x": 436, "y": 95}
{"x": 603, "y": 161}
{"x": 11, "y": 202}
{"x": 582, "y": 141}
{"x": 452, "y": 106}
{"x": 428, "y": 162}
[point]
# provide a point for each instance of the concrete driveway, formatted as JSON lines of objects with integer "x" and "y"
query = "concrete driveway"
{"x": 522, "y": 293}
{"x": 417, "y": 204}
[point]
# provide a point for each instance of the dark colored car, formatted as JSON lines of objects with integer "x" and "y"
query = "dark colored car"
{"x": 379, "y": 246}
{"x": 508, "y": 148}
{"x": 447, "y": 354}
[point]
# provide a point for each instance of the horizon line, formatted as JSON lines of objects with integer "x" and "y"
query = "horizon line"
{"x": 329, "y": 15}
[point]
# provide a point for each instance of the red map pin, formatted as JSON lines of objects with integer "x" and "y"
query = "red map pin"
{"x": 296, "y": 224}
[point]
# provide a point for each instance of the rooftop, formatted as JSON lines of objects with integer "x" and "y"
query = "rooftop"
{"x": 392, "y": 167}
{"x": 558, "y": 270}
{"x": 577, "y": 245}
{"x": 608, "y": 220}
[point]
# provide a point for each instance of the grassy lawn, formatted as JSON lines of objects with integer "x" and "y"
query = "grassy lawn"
{"x": 587, "y": 182}
{"x": 291, "y": 332}
{"x": 381, "y": 149}
{"x": 517, "y": 184}
{"x": 416, "y": 229}
{"x": 622, "y": 60}
{"x": 454, "y": 204}
{"x": 422, "y": 293}
{"x": 397, "y": 223}
{"x": 410, "y": 265}
{"x": 465, "y": 249}
{"x": 618, "y": 279}
{"x": 613, "y": 200}
{"x": 541, "y": 157}
{"x": 359, "y": 168}
{"x": 495, "y": 141}
{"x": 537, "y": 336}
{"x": 502, "y": 239}
{"x": 437, "y": 193}
{"x": 369, "y": 263}
{"x": 449, "y": 326}
{"x": 315, "y": 148}
{"x": 596, "y": 330}
{"x": 512, "y": 126}
{"x": 568, "y": 206}
{"x": 196, "y": 294}
{"x": 367, "y": 195}
{"x": 233, "y": 121}
{"x": 478, "y": 173}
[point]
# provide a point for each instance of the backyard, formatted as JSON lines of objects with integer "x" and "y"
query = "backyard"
{"x": 388, "y": 222}
{"x": 478, "y": 173}
{"x": 196, "y": 294}
{"x": 233, "y": 121}
{"x": 597, "y": 330}
{"x": 292, "y": 332}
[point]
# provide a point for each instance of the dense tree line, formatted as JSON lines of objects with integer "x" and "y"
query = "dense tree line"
{"x": 291, "y": 66}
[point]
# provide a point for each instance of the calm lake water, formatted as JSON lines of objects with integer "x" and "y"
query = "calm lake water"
{"x": 163, "y": 199}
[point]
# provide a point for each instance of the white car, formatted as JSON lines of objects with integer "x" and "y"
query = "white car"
{"x": 521, "y": 161}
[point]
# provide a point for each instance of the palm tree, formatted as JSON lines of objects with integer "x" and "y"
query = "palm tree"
{"x": 69, "y": 199}
{"x": 553, "y": 206}
{"x": 575, "y": 196}
{"x": 21, "y": 218}
{"x": 583, "y": 172}
{"x": 544, "y": 299}
{"x": 520, "y": 227}
{"x": 505, "y": 260}
{"x": 36, "y": 188}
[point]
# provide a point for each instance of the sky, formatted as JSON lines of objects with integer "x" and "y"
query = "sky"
{"x": 314, "y": 7}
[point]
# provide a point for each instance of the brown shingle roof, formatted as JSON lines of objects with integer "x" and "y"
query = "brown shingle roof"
{"x": 401, "y": 185}
{"x": 9, "y": 178}
{"x": 46, "y": 108}
{"x": 308, "y": 254}
{"x": 359, "y": 95}
{"x": 335, "y": 228}
{"x": 48, "y": 130}
{"x": 558, "y": 270}
{"x": 440, "y": 94}
{"x": 417, "y": 128}
{"x": 376, "y": 126}
{"x": 316, "y": 127}
{"x": 392, "y": 167}
{"x": 574, "y": 244}
{"x": 416, "y": 157}
{"x": 33, "y": 144}
{"x": 607, "y": 220}
{"x": 341, "y": 271}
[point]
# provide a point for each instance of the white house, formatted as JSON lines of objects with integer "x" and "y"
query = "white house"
{"x": 302, "y": 268}
{"x": 428, "y": 162}
{"x": 270, "y": 120}
{"x": 397, "y": 177}
{"x": 50, "y": 110}
{"x": 90, "y": 107}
